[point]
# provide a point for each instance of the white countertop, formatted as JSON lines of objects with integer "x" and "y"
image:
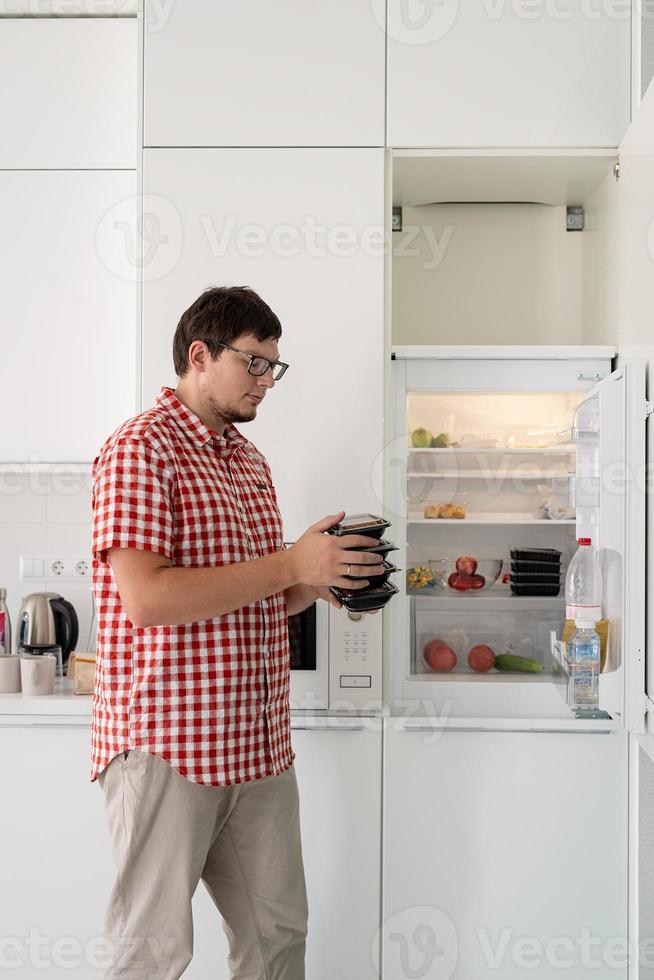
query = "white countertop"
{"x": 62, "y": 702}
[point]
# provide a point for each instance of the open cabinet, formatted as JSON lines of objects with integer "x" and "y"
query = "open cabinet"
{"x": 526, "y": 820}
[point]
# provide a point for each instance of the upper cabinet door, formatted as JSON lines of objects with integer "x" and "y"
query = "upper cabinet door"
{"x": 303, "y": 227}
{"x": 479, "y": 73}
{"x": 68, "y": 312}
{"x": 69, "y": 93}
{"x": 256, "y": 73}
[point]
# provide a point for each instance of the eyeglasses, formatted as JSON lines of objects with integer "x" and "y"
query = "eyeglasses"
{"x": 259, "y": 365}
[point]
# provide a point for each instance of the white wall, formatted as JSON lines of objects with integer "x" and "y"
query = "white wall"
{"x": 45, "y": 514}
{"x": 486, "y": 274}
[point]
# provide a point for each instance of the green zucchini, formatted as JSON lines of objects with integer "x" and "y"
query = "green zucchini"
{"x": 507, "y": 661}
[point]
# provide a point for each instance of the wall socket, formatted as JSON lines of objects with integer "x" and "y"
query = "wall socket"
{"x": 50, "y": 567}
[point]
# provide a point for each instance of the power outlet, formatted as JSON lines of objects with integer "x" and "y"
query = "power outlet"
{"x": 55, "y": 567}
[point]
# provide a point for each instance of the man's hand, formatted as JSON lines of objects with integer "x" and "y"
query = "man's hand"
{"x": 321, "y": 560}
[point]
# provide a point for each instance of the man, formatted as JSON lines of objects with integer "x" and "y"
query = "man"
{"x": 191, "y": 723}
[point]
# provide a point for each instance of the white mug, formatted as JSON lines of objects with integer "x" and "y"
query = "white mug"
{"x": 9, "y": 673}
{"x": 37, "y": 673}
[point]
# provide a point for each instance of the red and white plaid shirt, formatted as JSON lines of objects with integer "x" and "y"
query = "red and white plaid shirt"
{"x": 211, "y": 697}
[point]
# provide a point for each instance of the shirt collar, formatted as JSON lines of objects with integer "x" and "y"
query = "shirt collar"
{"x": 195, "y": 428}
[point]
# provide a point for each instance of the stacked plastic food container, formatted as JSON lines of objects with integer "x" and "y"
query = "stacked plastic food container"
{"x": 535, "y": 571}
{"x": 379, "y": 590}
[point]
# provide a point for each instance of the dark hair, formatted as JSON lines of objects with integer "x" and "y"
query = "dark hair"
{"x": 220, "y": 315}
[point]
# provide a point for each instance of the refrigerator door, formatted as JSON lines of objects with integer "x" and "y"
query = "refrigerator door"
{"x": 610, "y": 431}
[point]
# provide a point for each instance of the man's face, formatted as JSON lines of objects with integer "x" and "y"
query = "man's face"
{"x": 230, "y": 392}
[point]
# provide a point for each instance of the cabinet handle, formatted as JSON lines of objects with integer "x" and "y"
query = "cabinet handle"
{"x": 427, "y": 729}
{"x": 325, "y": 728}
{"x": 43, "y": 724}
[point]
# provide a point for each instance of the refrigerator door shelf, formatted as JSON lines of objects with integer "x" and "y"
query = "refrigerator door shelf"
{"x": 615, "y": 408}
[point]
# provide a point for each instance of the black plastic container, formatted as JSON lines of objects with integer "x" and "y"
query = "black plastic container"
{"x": 382, "y": 548}
{"x": 365, "y": 600}
{"x": 548, "y": 555}
{"x": 537, "y": 579}
{"x": 368, "y": 524}
{"x": 376, "y": 580}
{"x": 531, "y": 567}
{"x": 536, "y": 590}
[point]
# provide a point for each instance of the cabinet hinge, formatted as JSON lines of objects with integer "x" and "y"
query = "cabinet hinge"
{"x": 648, "y": 409}
{"x": 616, "y": 169}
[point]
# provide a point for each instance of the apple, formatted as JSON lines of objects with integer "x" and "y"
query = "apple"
{"x": 421, "y": 438}
{"x": 466, "y": 565}
{"x": 481, "y": 658}
{"x": 438, "y": 655}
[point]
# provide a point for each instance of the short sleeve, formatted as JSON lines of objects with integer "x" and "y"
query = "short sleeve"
{"x": 132, "y": 500}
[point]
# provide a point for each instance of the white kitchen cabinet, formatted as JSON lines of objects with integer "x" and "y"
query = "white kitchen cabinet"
{"x": 338, "y": 769}
{"x": 69, "y": 92}
{"x": 508, "y": 74}
{"x": 68, "y": 310}
{"x": 255, "y": 73}
{"x": 303, "y": 227}
{"x": 503, "y": 852}
{"x": 57, "y": 865}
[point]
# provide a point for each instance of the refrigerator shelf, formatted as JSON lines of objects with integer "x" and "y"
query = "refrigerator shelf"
{"x": 484, "y": 474}
{"x": 573, "y": 435}
{"x": 447, "y": 599}
{"x": 560, "y": 450}
{"x": 480, "y": 517}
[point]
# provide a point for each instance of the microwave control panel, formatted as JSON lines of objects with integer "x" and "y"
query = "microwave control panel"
{"x": 355, "y": 661}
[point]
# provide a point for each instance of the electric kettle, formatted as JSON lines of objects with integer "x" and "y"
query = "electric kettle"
{"x": 47, "y": 619}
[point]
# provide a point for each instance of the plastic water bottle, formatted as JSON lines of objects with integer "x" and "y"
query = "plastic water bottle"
{"x": 583, "y": 667}
{"x": 5, "y": 623}
{"x": 583, "y": 585}
{"x": 583, "y": 604}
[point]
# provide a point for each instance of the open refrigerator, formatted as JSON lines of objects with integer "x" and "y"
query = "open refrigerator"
{"x": 517, "y": 448}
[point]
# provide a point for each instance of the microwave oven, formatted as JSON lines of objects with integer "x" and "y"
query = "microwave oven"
{"x": 336, "y": 660}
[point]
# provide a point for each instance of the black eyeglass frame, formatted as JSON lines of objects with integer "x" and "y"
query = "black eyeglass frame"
{"x": 258, "y": 357}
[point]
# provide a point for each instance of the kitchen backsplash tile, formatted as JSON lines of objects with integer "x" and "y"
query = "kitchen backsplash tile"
{"x": 23, "y": 497}
{"x": 69, "y": 499}
{"x": 40, "y": 515}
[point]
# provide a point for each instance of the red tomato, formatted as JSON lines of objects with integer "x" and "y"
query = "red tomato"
{"x": 466, "y": 565}
{"x": 439, "y": 656}
{"x": 478, "y": 581}
{"x": 481, "y": 658}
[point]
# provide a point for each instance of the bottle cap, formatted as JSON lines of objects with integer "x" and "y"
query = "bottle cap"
{"x": 584, "y": 540}
{"x": 585, "y": 624}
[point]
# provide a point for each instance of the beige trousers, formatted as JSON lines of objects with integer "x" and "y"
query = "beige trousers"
{"x": 243, "y": 842}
